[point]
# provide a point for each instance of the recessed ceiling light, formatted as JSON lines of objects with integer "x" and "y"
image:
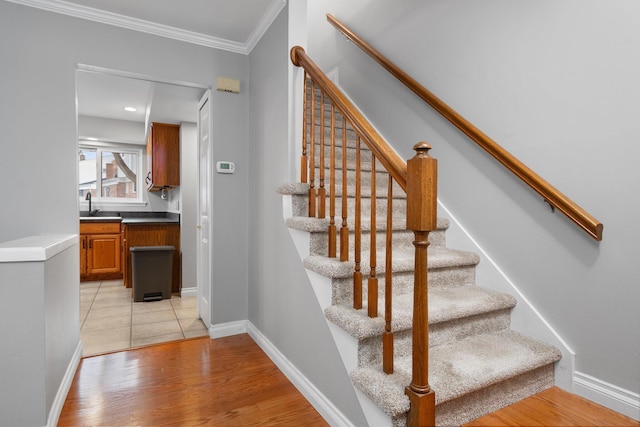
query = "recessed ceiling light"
{"x": 130, "y": 109}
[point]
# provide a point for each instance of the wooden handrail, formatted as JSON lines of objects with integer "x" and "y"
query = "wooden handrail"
{"x": 549, "y": 193}
{"x": 394, "y": 164}
{"x": 417, "y": 177}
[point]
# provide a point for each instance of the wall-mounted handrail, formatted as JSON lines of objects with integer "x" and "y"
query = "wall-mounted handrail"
{"x": 378, "y": 146}
{"x": 549, "y": 193}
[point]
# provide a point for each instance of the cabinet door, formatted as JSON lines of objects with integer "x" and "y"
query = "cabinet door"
{"x": 163, "y": 156}
{"x": 103, "y": 253}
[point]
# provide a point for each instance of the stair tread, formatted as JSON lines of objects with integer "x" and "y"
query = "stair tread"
{"x": 457, "y": 369}
{"x": 302, "y": 189}
{"x": 445, "y": 304}
{"x": 403, "y": 261}
{"x": 319, "y": 225}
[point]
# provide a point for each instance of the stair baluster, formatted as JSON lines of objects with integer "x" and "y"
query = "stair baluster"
{"x": 357, "y": 274}
{"x": 344, "y": 230}
{"x": 312, "y": 161}
{"x": 332, "y": 187}
{"x": 322, "y": 191}
{"x": 387, "y": 335}
{"x": 304, "y": 159}
{"x": 372, "y": 283}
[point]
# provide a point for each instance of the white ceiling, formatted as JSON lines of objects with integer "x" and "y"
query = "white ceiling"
{"x": 231, "y": 20}
{"x": 105, "y": 95}
{"x": 232, "y": 25}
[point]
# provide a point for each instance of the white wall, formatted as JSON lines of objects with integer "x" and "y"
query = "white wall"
{"x": 282, "y": 304}
{"x": 555, "y": 83}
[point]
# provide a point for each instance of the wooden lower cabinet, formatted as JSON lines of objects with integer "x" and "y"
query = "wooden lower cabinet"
{"x": 151, "y": 234}
{"x": 100, "y": 251}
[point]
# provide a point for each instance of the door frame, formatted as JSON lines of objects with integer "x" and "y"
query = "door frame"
{"x": 204, "y": 275}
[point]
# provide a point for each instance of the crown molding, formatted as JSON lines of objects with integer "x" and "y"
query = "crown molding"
{"x": 122, "y": 21}
{"x": 267, "y": 19}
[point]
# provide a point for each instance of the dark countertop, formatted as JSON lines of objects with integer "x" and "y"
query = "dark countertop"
{"x": 132, "y": 217}
{"x": 150, "y": 220}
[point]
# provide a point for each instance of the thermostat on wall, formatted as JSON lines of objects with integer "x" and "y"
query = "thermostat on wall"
{"x": 225, "y": 167}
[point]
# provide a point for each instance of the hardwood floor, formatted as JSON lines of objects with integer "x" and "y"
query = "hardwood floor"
{"x": 231, "y": 382}
{"x": 554, "y": 407}
{"x": 199, "y": 382}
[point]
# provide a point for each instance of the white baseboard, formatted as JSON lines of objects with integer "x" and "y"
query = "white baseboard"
{"x": 188, "y": 292}
{"x": 318, "y": 400}
{"x": 611, "y": 396}
{"x": 65, "y": 385}
{"x": 228, "y": 329}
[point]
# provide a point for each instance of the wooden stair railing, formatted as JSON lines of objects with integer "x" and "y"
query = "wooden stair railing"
{"x": 550, "y": 194}
{"x": 417, "y": 177}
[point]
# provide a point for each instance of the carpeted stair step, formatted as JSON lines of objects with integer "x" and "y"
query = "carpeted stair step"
{"x": 318, "y": 229}
{"x": 454, "y": 313}
{"x": 446, "y": 267}
{"x": 470, "y": 377}
{"x": 301, "y": 204}
{"x": 382, "y": 176}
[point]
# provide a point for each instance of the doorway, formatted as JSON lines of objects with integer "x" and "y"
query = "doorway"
{"x": 102, "y": 95}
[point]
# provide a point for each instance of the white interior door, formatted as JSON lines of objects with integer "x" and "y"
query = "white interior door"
{"x": 204, "y": 209}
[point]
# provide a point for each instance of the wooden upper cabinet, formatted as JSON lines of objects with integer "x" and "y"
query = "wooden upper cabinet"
{"x": 163, "y": 156}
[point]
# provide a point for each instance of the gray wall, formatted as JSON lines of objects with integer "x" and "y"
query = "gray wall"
{"x": 555, "y": 83}
{"x": 39, "y": 320}
{"x": 282, "y": 304}
{"x": 38, "y": 119}
{"x": 187, "y": 202}
{"x": 38, "y": 167}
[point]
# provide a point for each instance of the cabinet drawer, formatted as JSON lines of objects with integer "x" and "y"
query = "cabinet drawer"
{"x": 99, "y": 227}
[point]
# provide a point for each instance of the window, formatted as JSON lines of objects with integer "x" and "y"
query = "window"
{"x": 109, "y": 172}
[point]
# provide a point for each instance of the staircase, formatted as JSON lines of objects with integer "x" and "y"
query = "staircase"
{"x": 477, "y": 364}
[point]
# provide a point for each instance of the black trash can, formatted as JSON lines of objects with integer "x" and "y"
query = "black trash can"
{"x": 152, "y": 268}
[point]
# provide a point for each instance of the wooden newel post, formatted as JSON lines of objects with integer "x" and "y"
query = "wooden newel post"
{"x": 422, "y": 184}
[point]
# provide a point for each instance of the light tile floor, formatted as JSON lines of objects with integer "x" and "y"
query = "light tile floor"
{"x": 111, "y": 321}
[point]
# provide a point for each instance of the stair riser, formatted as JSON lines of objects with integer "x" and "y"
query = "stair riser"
{"x": 402, "y": 282}
{"x": 370, "y": 349}
{"x": 320, "y": 241}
